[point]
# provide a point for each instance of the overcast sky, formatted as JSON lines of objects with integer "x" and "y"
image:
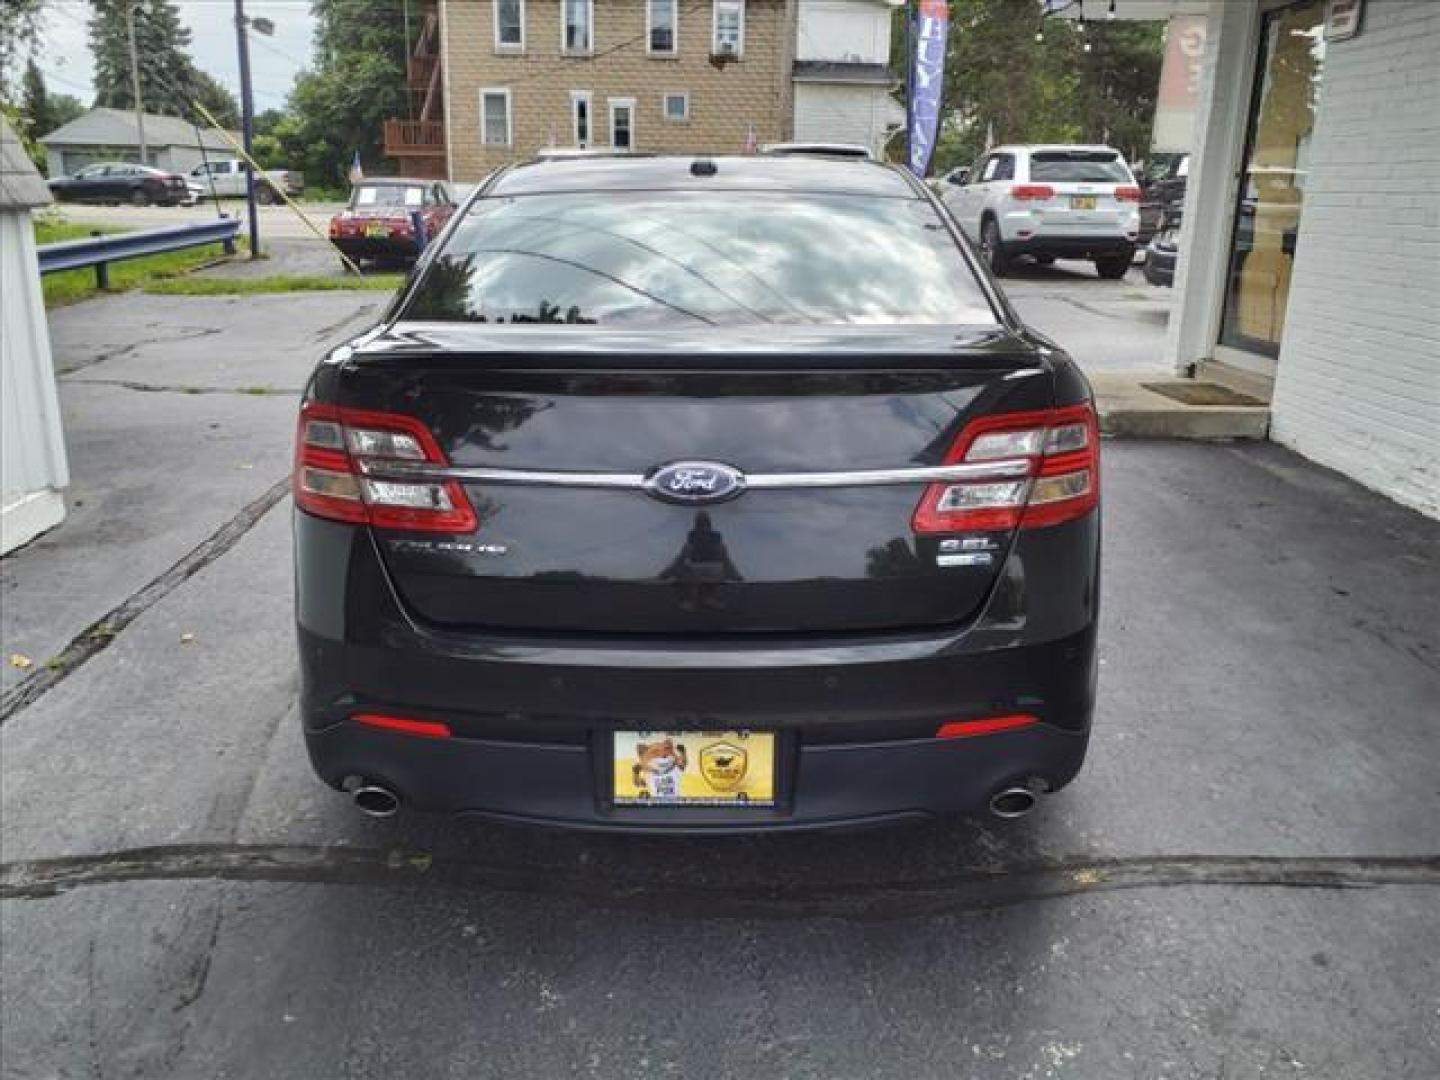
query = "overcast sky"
{"x": 65, "y": 59}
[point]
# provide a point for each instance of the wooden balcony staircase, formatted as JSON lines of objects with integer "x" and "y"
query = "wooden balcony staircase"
{"x": 418, "y": 141}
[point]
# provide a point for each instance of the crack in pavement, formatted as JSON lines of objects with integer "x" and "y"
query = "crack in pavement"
{"x": 164, "y": 388}
{"x": 104, "y": 630}
{"x": 974, "y": 890}
{"x": 192, "y": 334}
{"x": 1123, "y": 316}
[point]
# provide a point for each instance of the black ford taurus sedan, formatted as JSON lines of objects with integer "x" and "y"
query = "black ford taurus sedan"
{"x": 715, "y": 494}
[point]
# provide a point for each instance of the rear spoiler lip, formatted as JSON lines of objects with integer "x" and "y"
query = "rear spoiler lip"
{"x": 991, "y": 347}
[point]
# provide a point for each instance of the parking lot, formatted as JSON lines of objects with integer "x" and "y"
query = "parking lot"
{"x": 1248, "y": 856}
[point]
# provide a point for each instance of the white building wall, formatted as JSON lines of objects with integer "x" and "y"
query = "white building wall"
{"x": 1358, "y": 381}
{"x": 856, "y": 31}
{"x": 33, "y": 468}
{"x": 835, "y": 112}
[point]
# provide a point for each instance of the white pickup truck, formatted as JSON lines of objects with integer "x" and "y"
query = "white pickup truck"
{"x": 226, "y": 177}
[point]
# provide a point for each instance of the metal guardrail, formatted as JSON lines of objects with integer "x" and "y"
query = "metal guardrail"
{"x": 99, "y": 251}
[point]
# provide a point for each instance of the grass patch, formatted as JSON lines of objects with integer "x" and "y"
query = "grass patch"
{"x": 71, "y": 286}
{"x": 51, "y": 229}
{"x": 272, "y": 283}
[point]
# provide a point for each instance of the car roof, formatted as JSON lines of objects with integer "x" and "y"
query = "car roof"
{"x": 395, "y": 181}
{"x": 1032, "y": 147}
{"x": 835, "y": 149}
{"x": 690, "y": 172}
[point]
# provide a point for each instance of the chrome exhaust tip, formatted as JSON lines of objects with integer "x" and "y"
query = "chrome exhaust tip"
{"x": 375, "y": 800}
{"x": 1012, "y": 802}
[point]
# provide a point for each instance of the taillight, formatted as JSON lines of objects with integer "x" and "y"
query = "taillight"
{"x": 1127, "y": 194}
{"x": 1032, "y": 191}
{"x": 430, "y": 729}
{"x": 962, "y": 729}
{"x": 1062, "y": 447}
{"x": 330, "y": 444}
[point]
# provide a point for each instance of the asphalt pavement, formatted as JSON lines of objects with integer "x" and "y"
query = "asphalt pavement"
{"x": 1244, "y": 881}
{"x": 277, "y": 222}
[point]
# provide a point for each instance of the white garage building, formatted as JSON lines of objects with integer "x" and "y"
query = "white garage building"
{"x": 841, "y": 73}
{"x": 1310, "y": 251}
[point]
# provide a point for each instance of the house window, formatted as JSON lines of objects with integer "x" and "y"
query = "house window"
{"x": 580, "y": 113}
{"x": 622, "y": 123}
{"x": 509, "y": 24}
{"x": 577, "y": 29}
{"x": 495, "y": 120}
{"x": 677, "y": 106}
{"x": 662, "y": 18}
{"x": 729, "y": 27}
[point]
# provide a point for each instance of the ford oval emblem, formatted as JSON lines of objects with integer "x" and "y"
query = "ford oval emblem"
{"x": 695, "y": 482}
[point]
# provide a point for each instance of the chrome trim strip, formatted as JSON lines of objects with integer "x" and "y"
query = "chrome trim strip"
{"x": 1005, "y": 469}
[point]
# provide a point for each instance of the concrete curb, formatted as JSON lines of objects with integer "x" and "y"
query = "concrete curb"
{"x": 1127, "y": 409}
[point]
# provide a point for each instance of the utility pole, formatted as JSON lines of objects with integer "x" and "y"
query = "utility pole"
{"x": 135, "y": 84}
{"x": 247, "y": 124}
{"x": 909, "y": 78}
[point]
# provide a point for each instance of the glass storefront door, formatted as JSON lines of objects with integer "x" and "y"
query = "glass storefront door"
{"x": 1272, "y": 189}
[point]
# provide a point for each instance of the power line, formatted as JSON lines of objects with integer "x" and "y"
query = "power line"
{"x": 270, "y": 47}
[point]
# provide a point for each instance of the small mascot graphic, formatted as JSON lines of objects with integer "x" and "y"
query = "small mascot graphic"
{"x": 658, "y": 769}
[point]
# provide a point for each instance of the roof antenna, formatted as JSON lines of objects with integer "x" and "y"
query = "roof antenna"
{"x": 703, "y": 167}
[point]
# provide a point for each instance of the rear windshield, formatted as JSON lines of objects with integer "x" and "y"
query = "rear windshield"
{"x": 1078, "y": 166}
{"x": 662, "y": 259}
{"x": 388, "y": 195}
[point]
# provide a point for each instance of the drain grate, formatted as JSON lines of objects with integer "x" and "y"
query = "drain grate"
{"x": 1203, "y": 393}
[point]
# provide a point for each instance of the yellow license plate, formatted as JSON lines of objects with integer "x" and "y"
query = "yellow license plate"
{"x": 373, "y": 231}
{"x": 1082, "y": 202}
{"x": 694, "y": 768}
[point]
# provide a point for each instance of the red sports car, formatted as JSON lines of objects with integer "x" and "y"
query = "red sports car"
{"x": 380, "y": 221}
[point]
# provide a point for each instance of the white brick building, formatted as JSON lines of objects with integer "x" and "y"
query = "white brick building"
{"x": 1310, "y": 252}
{"x": 1357, "y": 385}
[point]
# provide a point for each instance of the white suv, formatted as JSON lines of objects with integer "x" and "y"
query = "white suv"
{"x": 1049, "y": 202}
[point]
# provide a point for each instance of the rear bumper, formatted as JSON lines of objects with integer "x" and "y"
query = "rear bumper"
{"x": 532, "y": 716}
{"x": 823, "y": 786}
{"x": 1075, "y": 247}
{"x": 376, "y": 247}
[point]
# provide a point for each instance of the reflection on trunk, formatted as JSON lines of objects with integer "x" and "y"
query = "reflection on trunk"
{"x": 700, "y": 568}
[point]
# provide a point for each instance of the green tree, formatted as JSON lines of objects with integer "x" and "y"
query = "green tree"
{"x": 211, "y": 93}
{"x": 35, "y": 101}
{"x": 64, "y": 108}
{"x": 162, "y": 44}
{"x": 21, "y": 127}
{"x": 1012, "y": 75}
{"x": 19, "y": 31}
{"x": 358, "y": 81}
{"x": 1119, "y": 79}
{"x": 169, "y": 80}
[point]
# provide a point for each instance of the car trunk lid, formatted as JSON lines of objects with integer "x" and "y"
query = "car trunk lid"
{"x": 557, "y": 452}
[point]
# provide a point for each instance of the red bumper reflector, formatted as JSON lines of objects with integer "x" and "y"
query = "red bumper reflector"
{"x": 959, "y": 729}
{"x": 430, "y": 729}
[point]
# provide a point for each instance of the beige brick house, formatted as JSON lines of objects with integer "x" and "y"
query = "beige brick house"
{"x": 495, "y": 81}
